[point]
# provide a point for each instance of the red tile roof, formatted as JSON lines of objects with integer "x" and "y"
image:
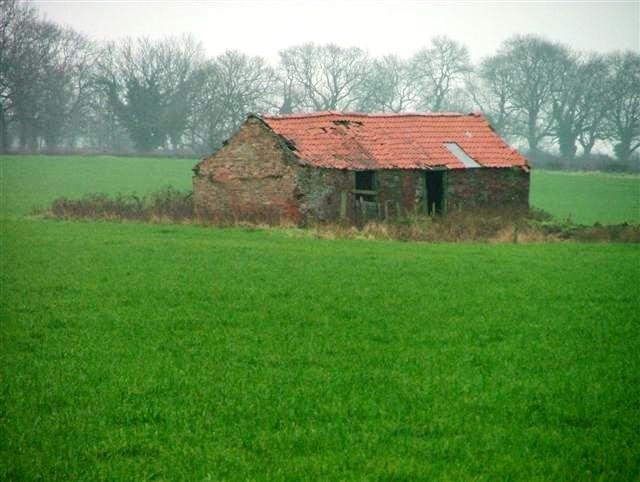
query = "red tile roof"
{"x": 392, "y": 141}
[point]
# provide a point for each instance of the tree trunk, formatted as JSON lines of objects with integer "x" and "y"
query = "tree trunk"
{"x": 567, "y": 145}
{"x": 5, "y": 142}
{"x": 51, "y": 140}
{"x": 532, "y": 136}
{"x": 286, "y": 107}
{"x": 623, "y": 149}
{"x": 587, "y": 147}
{"x": 533, "y": 146}
{"x": 23, "y": 138}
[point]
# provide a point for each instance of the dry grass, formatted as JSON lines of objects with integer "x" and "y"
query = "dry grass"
{"x": 501, "y": 226}
{"x": 166, "y": 205}
{"x": 244, "y": 216}
{"x": 491, "y": 226}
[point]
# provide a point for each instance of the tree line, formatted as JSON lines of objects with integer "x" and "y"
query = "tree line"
{"x": 60, "y": 90}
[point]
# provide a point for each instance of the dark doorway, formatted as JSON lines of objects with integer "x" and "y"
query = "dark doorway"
{"x": 434, "y": 182}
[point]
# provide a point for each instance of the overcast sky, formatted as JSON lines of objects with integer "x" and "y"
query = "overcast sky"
{"x": 265, "y": 27}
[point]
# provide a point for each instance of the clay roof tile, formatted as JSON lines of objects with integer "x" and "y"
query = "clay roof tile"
{"x": 353, "y": 140}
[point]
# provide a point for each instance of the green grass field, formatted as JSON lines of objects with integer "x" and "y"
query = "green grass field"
{"x": 34, "y": 181}
{"x": 141, "y": 351}
{"x": 177, "y": 352}
{"x": 587, "y": 197}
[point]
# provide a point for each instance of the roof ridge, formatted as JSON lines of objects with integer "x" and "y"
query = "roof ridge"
{"x": 328, "y": 113}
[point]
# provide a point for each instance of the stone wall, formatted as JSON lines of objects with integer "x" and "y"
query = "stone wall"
{"x": 400, "y": 192}
{"x": 403, "y": 192}
{"x": 320, "y": 193}
{"x": 252, "y": 177}
{"x": 327, "y": 194}
{"x": 487, "y": 187}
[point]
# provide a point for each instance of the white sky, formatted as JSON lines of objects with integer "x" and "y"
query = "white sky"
{"x": 402, "y": 27}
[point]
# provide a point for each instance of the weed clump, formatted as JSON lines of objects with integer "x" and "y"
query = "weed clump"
{"x": 492, "y": 226}
{"x": 167, "y": 204}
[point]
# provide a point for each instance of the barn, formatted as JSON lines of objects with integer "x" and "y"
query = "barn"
{"x": 331, "y": 166}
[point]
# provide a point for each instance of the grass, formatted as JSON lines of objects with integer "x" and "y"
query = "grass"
{"x": 134, "y": 351}
{"x": 587, "y": 197}
{"x": 35, "y": 181}
{"x": 141, "y": 351}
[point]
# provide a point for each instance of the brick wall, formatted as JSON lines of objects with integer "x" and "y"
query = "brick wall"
{"x": 487, "y": 187}
{"x": 252, "y": 177}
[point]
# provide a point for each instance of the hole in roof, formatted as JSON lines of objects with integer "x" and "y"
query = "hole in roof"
{"x": 462, "y": 156}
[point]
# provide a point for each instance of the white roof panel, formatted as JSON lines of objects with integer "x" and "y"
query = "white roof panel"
{"x": 462, "y": 156}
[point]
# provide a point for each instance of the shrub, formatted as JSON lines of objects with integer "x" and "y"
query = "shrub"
{"x": 499, "y": 226}
{"x": 167, "y": 204}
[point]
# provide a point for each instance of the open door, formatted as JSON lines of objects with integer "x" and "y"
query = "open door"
{"x": 434, "y": 183}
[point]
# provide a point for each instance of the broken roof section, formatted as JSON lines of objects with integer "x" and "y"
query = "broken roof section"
{"x": 394, "y": 141}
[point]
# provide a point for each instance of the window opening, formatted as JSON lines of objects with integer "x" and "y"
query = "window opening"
{"x": 365, "y": 186}
{"x": 365, "y": 180}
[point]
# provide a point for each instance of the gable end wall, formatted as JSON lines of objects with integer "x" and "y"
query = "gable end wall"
{"x": 251, "y": 178}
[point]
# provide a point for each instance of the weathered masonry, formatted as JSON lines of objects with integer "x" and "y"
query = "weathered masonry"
{"x": 329, "y": 166}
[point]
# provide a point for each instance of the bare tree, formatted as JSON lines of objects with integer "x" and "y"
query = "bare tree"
{"x": 489, "y": 90}
{"x": 288, "y": 95}
{"x": 623, "y": 114}
{"x": 534, "y": 64}
{"x": 438, "y": 70}
{"x": 246, "y": 84}
{"x": 57, "y": 88}
{"x": 565, "y": 100}
{"x": 25, "y": 46}
{"x": 107, "y": 132}
{"x": 151, "y": 87}
{"x": 13, "y": 20}
{"x": 180, "y": 61}
{"x": 230, "y": 86}
{"x": 44, "y": 74}
{"x": 388, "y": 86}
{"x": 327, "y": 75}
{"x": 594, "y": 103}
{"x": 577, "y": 102}
{"x": 66, "y": 90}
